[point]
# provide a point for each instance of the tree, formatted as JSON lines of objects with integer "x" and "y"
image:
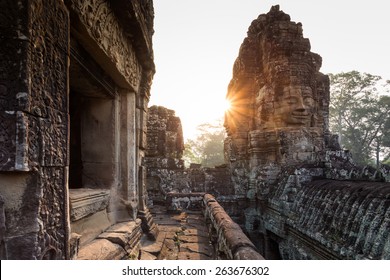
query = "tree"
{"x": 190, "y": 154}
{"x": 359, "y": 114}
{"x": 207, "y": 148}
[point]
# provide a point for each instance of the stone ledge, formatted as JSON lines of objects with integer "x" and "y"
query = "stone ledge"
{"x": 117, "y": 238}
{"x": 126, "y": 227}
{"x": 120, "y": 241}
{"x": 85, "y": 202}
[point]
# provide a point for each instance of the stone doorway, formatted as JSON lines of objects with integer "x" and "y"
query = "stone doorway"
{"x": 93, "y": 144}
{"x": 92, "y": 110}
{"x": 91, "y": 141}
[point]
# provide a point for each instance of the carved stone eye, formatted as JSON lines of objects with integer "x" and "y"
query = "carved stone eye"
{"x": 291, "y": 100}
{"x": 309, "y": 101}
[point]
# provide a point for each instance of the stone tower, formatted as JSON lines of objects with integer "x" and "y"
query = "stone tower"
{"x": 286, "y": 163}
{"x": 279, "y": 101}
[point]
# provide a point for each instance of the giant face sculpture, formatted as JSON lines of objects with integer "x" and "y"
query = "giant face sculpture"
{"x": 295, "y": 107}
{"x": 288, "y": 106}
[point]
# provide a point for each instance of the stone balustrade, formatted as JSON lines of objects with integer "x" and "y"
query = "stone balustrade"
{"x": 229, "y": 239}
{"x": 177, "y": 202}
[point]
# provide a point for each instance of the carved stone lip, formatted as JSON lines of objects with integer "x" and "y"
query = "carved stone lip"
{"x": 301, "y": 119}
{"x": 301, "y": 116}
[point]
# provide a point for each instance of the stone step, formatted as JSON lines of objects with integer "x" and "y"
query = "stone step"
{"x": 146, "y": 256}
{"x": 101, "y": 249}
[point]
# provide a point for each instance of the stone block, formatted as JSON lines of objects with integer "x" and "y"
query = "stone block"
{"x": 90, "y": 227}
{"x": 121, "y": 239}
{"x": 125, "y": 227}
{"x": 101, "y": 249}
{"x": 247, "y": 253}
{"x": 145, "y": 256}
{"x": 154, "y": 248}
{"x": 74, "y": 245}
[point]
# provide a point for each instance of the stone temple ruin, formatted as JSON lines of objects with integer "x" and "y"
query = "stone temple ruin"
{"x": 288, "y": 184}
{"x": 166, "y": 174}
{"x": 88, "y": 171}
{"x": 306, "y": 199}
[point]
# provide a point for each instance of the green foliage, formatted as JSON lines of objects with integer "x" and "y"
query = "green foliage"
{"x": 359, "y": 114}
{"x": 190, "y": 153}
{"x": 207, "y": 148}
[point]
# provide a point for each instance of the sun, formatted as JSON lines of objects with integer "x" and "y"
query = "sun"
{"x": 226, "y": 105}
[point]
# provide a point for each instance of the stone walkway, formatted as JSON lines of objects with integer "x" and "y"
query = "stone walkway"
{"x": 181, "y": 236}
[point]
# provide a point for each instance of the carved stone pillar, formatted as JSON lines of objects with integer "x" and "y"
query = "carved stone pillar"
{"x": 129, "y": 155}
{"x": 148, "y": 225}
{"x": 142, "y": 107}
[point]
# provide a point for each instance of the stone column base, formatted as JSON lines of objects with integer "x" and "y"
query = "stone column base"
{"x": 149, "y": 227}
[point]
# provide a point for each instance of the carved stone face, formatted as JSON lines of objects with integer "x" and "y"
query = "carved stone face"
{"x": 294, "y": 107}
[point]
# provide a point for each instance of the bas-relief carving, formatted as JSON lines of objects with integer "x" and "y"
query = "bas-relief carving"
{"x": 49, "y": 136}
{"x": 7, "y": 131}
{"x": 33, "y": 106}
{"x": 13, "y": 81}
{"x": 53, "y": 206}
{"x": 48, "y": 50}
{"x": 145, "y": 15}
{"x": 37, "y": 92}
{"x": 105, "y": 29}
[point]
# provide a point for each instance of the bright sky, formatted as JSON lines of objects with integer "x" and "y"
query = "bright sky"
{"x": 196, "y": 42}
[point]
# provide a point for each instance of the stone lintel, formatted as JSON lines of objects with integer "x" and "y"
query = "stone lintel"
{"x": 108, "y": 43}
